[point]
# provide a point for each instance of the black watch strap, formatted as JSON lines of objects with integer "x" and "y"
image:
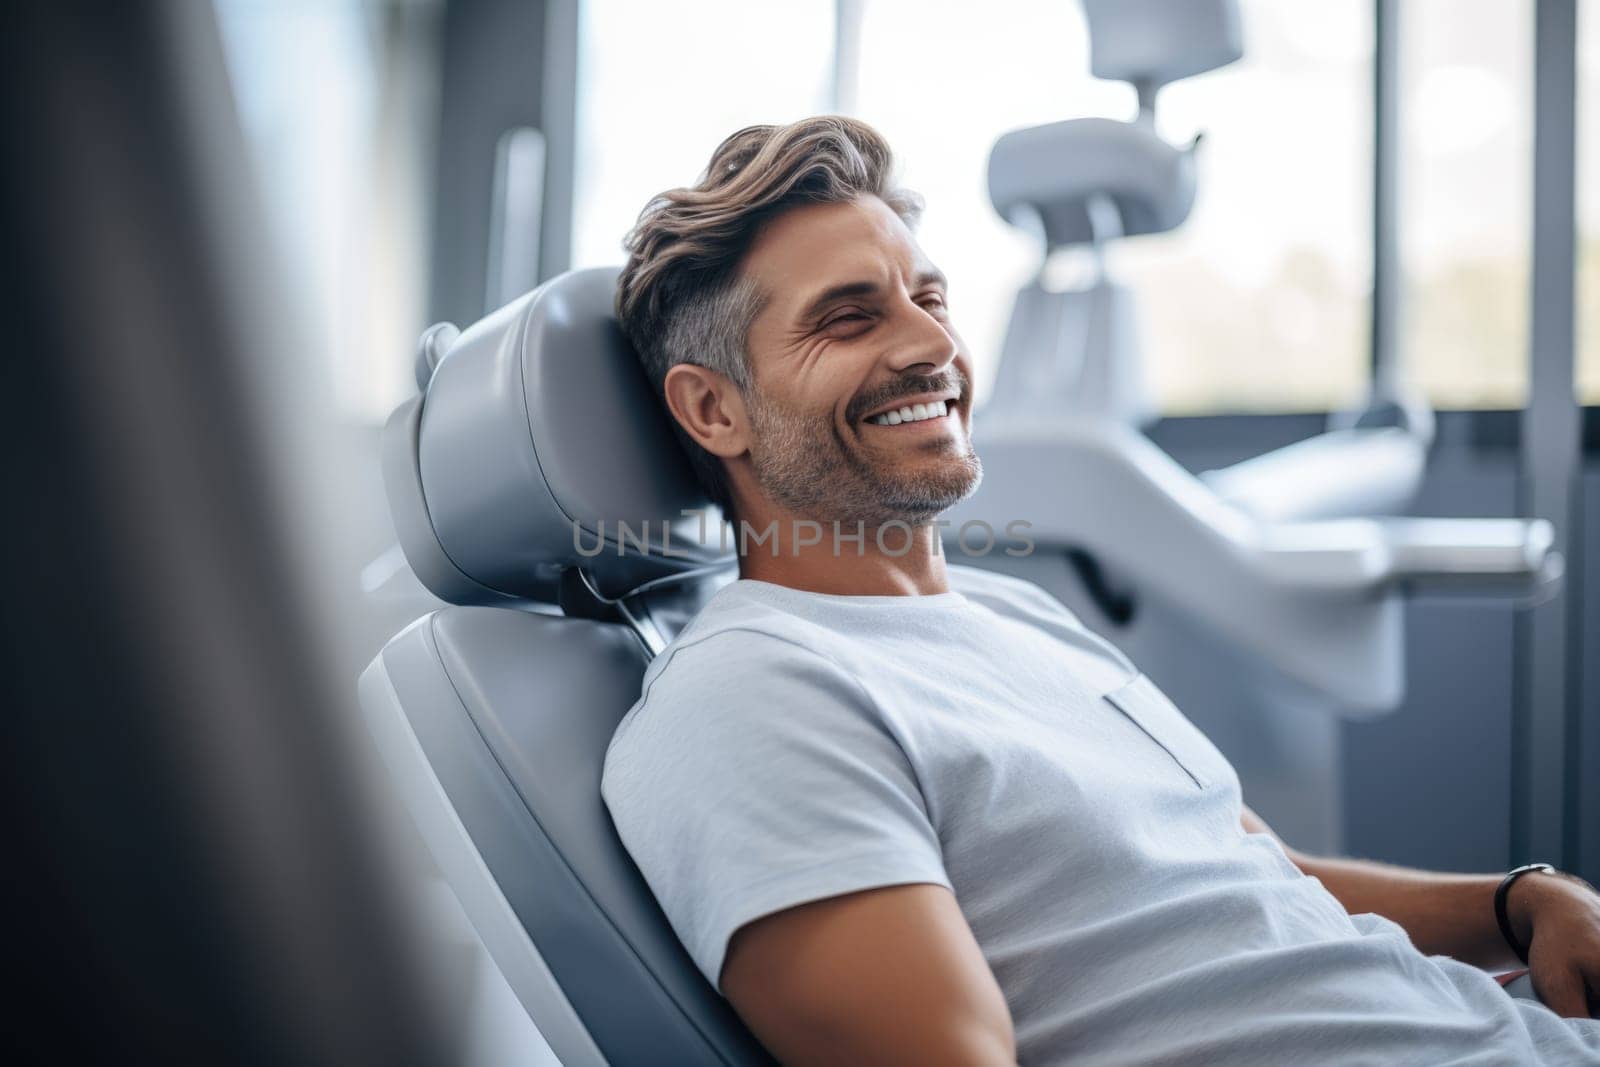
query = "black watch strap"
{"x": 1500, "y": 904}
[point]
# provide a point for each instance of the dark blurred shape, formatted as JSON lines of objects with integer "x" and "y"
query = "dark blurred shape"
{"x": 188, "y": 870}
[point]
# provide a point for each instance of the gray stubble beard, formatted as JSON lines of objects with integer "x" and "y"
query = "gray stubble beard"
{"x": 808, "y": 468}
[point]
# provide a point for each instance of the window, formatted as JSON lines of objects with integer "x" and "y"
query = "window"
{"x": 661, "y": 84}
{"x": 1260, "y": 300}
{"x": 1589, "y": 203}
{"x": 1466, "y": 171}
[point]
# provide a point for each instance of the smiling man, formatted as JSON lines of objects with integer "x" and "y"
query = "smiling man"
{"x": 900, "y": 811}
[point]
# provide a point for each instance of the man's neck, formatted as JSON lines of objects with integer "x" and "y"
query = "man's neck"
{"x": 891, "y": 559}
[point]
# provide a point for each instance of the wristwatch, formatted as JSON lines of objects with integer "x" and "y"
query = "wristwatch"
{"x": 1500, "y": 904}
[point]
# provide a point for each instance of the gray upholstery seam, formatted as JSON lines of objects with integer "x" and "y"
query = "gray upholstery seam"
{"x": 477, "y": 729}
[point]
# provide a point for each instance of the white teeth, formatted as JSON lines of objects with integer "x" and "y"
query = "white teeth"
{"x": 912, "y": 413}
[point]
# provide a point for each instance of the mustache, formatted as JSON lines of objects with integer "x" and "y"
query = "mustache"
{"x": 910, "y": 386}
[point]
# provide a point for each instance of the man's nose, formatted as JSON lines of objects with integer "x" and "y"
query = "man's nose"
{"x": 921, "y": 342}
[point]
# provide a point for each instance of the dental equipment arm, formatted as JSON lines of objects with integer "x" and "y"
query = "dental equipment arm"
{"x": 1317, "y": 600}
{"x": 1369, "y": 462}
{"x": 1333, "y": 475}
{"x": 890, "y": 975}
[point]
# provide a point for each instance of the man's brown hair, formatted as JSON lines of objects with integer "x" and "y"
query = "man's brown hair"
{"x": 681, "y": 299}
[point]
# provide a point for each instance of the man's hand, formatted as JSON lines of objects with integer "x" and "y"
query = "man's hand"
{"x": 1557, "y": 917}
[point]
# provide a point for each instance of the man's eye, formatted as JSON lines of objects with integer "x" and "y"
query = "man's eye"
{"x": 847, "y": 317}
{"x": 935, "y": 299}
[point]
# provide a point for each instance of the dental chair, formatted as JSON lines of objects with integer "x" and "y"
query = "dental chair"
{"x": 529, "y": 482}
{"x": 1266, "y": 598}
{"x": 535, "y": 434}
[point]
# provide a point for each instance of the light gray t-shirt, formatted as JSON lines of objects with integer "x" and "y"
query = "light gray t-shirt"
{"x": 791, "y": 746}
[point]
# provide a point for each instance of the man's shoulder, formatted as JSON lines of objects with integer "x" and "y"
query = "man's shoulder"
{"x": 738, "y": 629}
{"x": 732, "y": 652}
{"x": 745, "y": 635}
{"x": 738, "y": 608}
{"x": 735, "y": 652}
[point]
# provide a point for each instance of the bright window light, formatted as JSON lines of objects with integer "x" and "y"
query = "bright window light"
{"x": 661, "y": 84}
{"x": 1466, "y": 168}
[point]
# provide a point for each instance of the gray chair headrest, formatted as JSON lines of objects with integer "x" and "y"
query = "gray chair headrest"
{"x": 1154, "y": 42}
{"x": 1059, "y": 171}
{"x": 537, "y": 445}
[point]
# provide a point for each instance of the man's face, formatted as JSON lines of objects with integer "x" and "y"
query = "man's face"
{"x": 854, "y": 331}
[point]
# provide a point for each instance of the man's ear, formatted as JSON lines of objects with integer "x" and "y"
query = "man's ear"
{"x": 710, "y": 408}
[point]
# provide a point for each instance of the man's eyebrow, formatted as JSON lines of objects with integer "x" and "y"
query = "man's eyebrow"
{"x": 932, "y": 276}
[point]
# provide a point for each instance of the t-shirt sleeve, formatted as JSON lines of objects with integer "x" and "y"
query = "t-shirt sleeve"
{"x": 753, "y": 776}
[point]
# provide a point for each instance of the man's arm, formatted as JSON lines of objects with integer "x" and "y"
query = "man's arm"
{"x": 1445, "y": 914}
{"x": 889, "y": 975}
{"x": 1453, "y": 915}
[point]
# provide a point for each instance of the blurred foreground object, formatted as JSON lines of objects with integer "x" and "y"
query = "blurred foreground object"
{"x": 193, "y": 868}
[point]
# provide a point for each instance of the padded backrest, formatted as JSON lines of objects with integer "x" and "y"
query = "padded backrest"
{"x": 535, "y": 436}
{"x": 537, "y": 441}
{"x": 513, "y": 711}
